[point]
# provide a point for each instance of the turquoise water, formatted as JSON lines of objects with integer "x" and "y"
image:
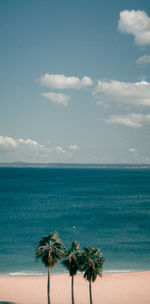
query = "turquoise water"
{"x": 106, "y": 208}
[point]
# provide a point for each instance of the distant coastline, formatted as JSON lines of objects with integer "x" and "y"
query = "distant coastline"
{"x": 74, "y": 165}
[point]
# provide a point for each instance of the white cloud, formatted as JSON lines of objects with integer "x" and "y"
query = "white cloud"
{"x": 123, "y": 93}
{"x": 7, "y": 142}
{"x": 29, "y": 150}
{"x": 136, "y": 23}
{"x": 60, "y": 81}
{"x": 74, "y": 147}
{"x": 137, "y": 157}
{"x": 28, "y": 145}
{"x": 132, "y": 150}
{"x": 130, "y": 120}
{"x": 60, "y": 149}
{"x": 86, "y": 81}
{"x": 143, "y": 59}
{"x": 29, "y": 142}
{"x": 57, "y": 98}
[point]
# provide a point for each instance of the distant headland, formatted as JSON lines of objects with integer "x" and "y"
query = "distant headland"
{"x": 73, "y": 165}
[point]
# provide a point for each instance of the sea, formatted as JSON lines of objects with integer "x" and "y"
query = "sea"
{"x": 107, "y": 208}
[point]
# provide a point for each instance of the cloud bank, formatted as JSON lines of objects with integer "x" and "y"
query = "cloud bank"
{"x": 60, "y": 149}
{"x": 136, "y": 23}
{"x": 130, "y": 120}
{"x": 143, "y": 59}
{"x": 60, "y": 81}
{"x": 57, "y": 98}
{"x": 31, "y": 151}
{"x": 123, "y": 93}
{"x": 9, "y": 142}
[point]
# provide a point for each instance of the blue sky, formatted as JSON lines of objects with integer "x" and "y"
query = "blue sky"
{"x": 75, "y": 81}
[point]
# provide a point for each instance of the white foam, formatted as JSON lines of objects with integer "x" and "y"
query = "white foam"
{"x": 119, "y": 271}
{"x": 27, "y": 273}
{"x": 34, "y": 273}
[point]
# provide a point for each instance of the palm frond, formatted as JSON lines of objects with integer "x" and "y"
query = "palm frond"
{"x": 50, "y": 249}
{"x": 92, "y": 262}
{"x": 70, "y": 260}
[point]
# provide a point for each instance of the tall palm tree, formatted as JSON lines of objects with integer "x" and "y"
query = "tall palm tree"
{"x": 92, "y": 265}
{"x": 50, "y": 250}
{"x": 71, "y": 263}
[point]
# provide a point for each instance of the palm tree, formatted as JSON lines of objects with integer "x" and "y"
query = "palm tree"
{"x": 50, "y": 250}
{"x": 71, "y": 263}
{"x": 92, "y": 265}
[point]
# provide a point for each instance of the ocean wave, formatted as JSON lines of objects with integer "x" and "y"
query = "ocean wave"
{"x": 34, "y": 273}
{"x": 27, "y": 273}
{"x": 120, "y": 270}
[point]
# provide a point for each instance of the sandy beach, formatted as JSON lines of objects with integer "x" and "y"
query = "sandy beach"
{"x": 112, "y": 288}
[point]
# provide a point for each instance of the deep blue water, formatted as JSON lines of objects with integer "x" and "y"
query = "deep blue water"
{"x": 106, "y": 208}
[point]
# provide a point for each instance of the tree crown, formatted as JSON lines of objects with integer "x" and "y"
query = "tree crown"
{"x": 50, "y": 249}
{"x": 91, "y": 263}
{"x": 71, "y": 259}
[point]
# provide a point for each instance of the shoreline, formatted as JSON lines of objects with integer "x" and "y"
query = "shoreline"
{"x": 114, "y": 288}
{"x": 42, "y": 274}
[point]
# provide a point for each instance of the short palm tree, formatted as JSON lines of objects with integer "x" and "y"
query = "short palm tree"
{"x": 70, "y": 261}
{"x": 50, "y": 250}
{"x": 92, "y": 265}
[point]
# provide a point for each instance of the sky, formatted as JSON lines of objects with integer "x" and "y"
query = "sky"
{"x": 75, "y": 81}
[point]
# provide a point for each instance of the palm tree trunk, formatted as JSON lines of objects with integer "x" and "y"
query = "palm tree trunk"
{"x": 72, "y": 289}
{"x": 90, "y": 292}
{"x": 48, "y": 286}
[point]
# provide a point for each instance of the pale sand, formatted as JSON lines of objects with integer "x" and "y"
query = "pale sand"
{"x": 127, "y": 288}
